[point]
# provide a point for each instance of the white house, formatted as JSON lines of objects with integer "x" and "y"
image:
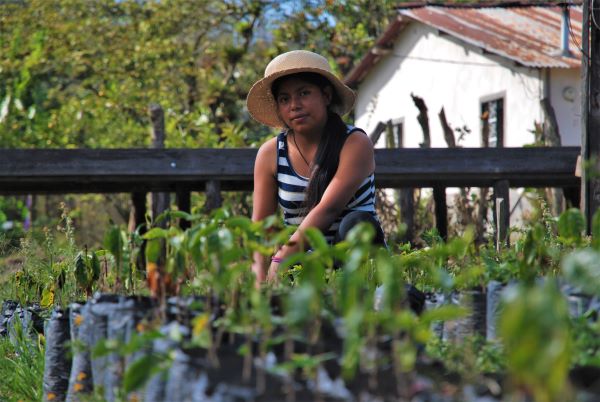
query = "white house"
{"x": 489, "y": 67}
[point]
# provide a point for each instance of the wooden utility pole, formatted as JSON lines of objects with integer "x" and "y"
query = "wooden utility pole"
{"x": 590, "y": 91}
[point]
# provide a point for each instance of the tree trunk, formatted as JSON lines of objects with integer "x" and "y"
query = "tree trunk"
{"x": 448, "y": 133}
{"x": 439, "y": 193}
{"x": 423, "y": 120}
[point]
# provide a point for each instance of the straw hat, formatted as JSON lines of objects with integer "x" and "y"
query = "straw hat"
{"x": 260, "y": 101}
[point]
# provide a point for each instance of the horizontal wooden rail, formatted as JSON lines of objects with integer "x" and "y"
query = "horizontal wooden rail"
{"x": 26, "y": 171}
{"x": 477, "y": 167}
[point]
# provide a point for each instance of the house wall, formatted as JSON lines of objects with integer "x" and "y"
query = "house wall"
{"x": 449, "y": 73}
{"x": 565, "y": 95}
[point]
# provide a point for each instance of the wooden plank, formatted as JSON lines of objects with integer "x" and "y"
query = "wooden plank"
{"x": 130, "y": 170}
{"x": 123, "y": 170}
{"x": 477, "y": 167}
{"x": 206, "y": 163}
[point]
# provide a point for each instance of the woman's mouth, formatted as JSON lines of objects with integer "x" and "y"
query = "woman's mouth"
{"x": 299, "y": 119}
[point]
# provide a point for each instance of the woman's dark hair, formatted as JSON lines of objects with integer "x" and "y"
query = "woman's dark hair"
{"x": 327, "y": 157}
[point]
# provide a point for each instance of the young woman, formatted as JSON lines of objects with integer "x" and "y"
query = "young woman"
{"x": 318, "y": 169}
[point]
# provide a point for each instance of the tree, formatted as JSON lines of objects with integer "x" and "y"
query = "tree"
{"x": 82, "y": 73}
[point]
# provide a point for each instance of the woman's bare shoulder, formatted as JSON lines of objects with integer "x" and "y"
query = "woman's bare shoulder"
{"x": 358, "y": 140}
{"x": 266, "y": 158}
{"x": 358, "y": 151}
{"x": 269, "y": 145}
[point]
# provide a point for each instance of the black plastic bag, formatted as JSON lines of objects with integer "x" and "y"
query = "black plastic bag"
{"x": 475, "y": 322}
{"x": 80, "y": 379}
{"x": 495, "y": 290}
{"x": 8, "y": 309}
{"x": 183, "y": 374}
{"x": 29, "y": 319}
{"x": 435, "y": 300}
{"x": 95, "y": 315}
{"x": 122, "y": 324}
{"x": 155, "y": 390}
{"x": 57, "y": 356}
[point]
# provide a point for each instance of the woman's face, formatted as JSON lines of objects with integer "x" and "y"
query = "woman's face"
{"x": 303, "y": 106}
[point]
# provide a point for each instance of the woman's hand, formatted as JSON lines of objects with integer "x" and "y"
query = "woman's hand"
{"x": 259, "y": 269}
{"x": 272, "y": 274}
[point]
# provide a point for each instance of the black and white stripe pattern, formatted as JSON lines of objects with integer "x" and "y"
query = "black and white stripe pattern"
{"x": 292, "y": 187}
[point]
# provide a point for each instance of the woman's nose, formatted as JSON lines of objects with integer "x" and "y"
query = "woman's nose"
{"x": 295, "y": 102}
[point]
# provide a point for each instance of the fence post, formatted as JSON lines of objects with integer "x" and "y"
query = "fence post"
{"x": 406, "y": 198}
{"x": 137, "y": 219}
{"x": 160, "y": 201}
{"x": 441, "y": 211}
{"x": 501, "y": 213}
{"x": 183, "y": 204}
{"x": 137, "y": 214}
{"x": 213, "y": 195}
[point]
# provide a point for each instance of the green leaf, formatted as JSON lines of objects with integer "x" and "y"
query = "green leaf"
{"x": 571, "y": 224}
{"x": 240, "y": 222}
{"x": 444, "y": 313}
{"x": 596, "y": 230}
{"x": 183, "y": 215}
{"x": 81, "y": 273}
{"x": 95, "y": 267}
{"x": 535, "y": 330}
{"x": 154, "y": 250}
{"x": 47, "y": 297}
{"x": 156, "y": 233}
{"x": 316, "y": 239}
{"x": 113, "y": 242}
{"x": 140, "y": 371}
{"x": 582, "y": 268}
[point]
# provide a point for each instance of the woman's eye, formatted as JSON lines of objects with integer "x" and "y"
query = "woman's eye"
{"x": 282, "y": 99}
{"x": 305, "y": 92}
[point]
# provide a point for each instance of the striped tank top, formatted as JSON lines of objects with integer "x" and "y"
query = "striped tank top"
{"x": 292, "y": 186}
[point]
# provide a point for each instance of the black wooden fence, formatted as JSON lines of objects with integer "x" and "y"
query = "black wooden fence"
{"x": 137, "y": 171}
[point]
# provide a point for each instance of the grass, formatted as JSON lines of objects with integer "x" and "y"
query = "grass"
{"x": 21, "y": 367}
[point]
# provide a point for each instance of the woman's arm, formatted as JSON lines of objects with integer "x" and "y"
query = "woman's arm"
{"x": 264, "y": 199}
{"x": 357, "y": 161}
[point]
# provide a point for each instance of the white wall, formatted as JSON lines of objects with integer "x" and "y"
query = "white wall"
{"x": 565, "y": 95}
{"x": 449, "y": 73}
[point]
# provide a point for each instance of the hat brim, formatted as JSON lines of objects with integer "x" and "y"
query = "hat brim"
{"x": 263, "y": 108}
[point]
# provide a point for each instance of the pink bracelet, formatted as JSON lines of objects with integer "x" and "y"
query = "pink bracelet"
{"x": 276, "y": 259}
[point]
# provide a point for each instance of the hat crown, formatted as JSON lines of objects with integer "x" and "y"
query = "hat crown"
{"x": 297, "y": 59}
{"x": 261, "y": 103}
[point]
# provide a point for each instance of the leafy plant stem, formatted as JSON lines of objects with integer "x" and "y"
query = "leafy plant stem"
{"x": 289, "y": 351}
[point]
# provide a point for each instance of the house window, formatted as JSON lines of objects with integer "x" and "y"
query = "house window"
{"x": 394, "y": 133}
{"x": 492, "y": 123}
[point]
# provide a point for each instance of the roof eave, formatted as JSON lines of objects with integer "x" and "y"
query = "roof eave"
{"x": 381, "y": 48}
{"x": 487, "y": 4}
